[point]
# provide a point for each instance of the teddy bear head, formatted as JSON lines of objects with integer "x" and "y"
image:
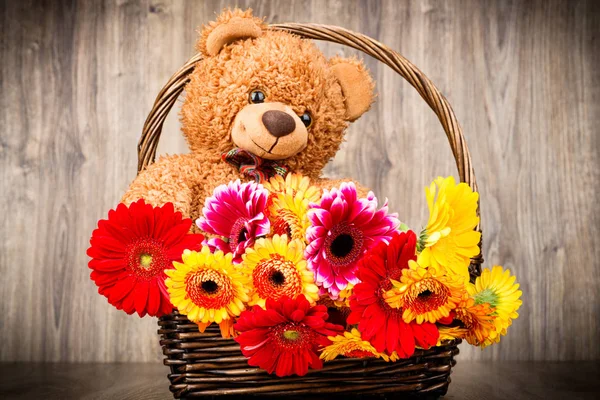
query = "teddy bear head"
{"x": 270, "y": 93}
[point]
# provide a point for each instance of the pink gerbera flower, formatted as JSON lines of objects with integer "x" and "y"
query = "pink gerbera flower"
{"x": 343, "y": 227}
{"x": 235, "y": 213}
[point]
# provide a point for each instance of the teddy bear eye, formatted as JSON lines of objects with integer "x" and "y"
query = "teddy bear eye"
{"x": 257, "y": 96}
{"x": 306, "y": 119}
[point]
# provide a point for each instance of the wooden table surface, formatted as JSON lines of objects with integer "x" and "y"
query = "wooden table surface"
{"x": 470, "y": 380}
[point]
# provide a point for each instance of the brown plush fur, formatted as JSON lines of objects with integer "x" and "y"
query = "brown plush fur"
{"x": 295, "y": 77}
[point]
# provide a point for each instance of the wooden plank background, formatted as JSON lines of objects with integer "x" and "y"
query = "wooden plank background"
{"x": 77, "y": 79}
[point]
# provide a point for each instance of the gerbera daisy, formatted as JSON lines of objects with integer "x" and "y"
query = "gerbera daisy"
{"x": 379, "y": 323}
{"x": 286, "y": 336}
{"x": 424, "y": 294}
{"x": 351, "y": 345}
{"x": 343, "y": 227}
{"x": 130, "y": 252}
{"x": 449, "y": 240}
{"x": 278, "y": 269}
{"x": 293, "y": 184}
{"x": 288, "y": 202}
{"x": 288, "y": 217}
{"x": 498, "y": 288}
{"x": 235, "y": 213}
{"x": 208, "y": 288}
{"x": 476, "y": 319}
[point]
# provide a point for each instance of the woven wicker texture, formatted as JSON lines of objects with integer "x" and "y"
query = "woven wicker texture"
{"x": 204, "y": 364}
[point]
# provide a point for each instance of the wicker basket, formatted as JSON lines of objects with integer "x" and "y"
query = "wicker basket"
{"x": 206, "y": 365}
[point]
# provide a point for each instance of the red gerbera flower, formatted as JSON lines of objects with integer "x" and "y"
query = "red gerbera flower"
{"x": 286, "y": 336}
{"x": 379, "y": 323}
{"x": 130, "y": 252}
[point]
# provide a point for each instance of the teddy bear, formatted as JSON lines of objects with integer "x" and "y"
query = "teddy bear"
{"x": 258, "y": 96}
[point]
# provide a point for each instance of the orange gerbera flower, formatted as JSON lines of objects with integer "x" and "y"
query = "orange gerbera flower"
{"x": 498, "y": 288}
{"x": 425, "y": 295}
{"x": 477, "y": 319}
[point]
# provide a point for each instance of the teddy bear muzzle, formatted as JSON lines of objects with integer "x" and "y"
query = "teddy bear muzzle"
{"x": 269, "y": 130}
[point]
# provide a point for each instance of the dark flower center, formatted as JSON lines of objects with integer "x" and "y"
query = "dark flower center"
{"x": 210, "y": 287}
{"x": 242, "y": 235}
{"x": 239, "y": 234}
{"x": 277, "y": 278}
{"x": 463, "y": 320}
{"x": 342, "y": 245}
{"x": 429, "y": 296}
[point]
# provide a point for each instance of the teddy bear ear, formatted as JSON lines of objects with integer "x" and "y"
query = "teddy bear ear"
{"x": 357, "y": 85}
{"x": 230, "y": 26}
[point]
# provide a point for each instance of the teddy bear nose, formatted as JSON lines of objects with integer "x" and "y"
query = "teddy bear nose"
{"x": 278, "y": 123}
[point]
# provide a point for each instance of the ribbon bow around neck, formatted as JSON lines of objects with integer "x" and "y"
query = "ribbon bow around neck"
{"x": 253, "y": 166}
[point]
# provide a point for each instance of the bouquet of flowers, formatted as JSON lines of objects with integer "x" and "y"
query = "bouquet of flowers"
{"x": 298, "y": 275}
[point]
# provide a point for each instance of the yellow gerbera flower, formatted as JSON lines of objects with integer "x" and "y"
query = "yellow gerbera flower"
{"x": 498, "y": 288}
{"x": 207, "y": 287}
{"x": 425, "y": 294}
{"x": 288, "y": 215}
{"x": 278, "y": 269}
{"x": 449, "y": 241}
{"x": 351, "y": 345}
{"x": 292, "y": 184}
{"x": 288, "y": 204}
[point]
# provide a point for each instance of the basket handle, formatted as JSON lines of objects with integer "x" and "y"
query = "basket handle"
{"x": 432, "y": 96}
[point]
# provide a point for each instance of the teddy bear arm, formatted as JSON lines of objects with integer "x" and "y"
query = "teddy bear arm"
{"x": 170, "y": 179}
{"x": 326, "y": 183}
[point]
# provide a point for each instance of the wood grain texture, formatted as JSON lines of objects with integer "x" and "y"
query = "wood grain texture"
{"x": 134, "y": 381}
{"x": 77, "y": 79}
